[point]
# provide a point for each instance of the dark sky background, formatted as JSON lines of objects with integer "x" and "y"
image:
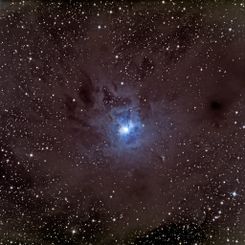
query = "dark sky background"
{"x": 122, "y": 122}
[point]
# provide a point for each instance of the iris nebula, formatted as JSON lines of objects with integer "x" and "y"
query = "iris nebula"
{"x": 122, "y": 122}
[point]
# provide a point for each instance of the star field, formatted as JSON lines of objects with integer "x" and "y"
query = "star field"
{"x": 122, "y": 122}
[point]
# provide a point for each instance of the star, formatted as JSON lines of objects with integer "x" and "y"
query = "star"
{"x": 124, "y": 130}
{"x": 127, "y": 128}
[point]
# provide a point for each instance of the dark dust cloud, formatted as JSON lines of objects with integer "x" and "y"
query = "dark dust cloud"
{"x": 122, "y": 122}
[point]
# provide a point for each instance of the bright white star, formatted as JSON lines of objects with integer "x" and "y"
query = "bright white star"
{"x": 124, "y": 130}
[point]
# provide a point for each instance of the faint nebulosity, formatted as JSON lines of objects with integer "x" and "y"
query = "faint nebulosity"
{"x": 122, "y": 122}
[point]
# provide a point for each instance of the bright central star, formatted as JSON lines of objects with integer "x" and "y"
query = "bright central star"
{"x": 124, "y": 130}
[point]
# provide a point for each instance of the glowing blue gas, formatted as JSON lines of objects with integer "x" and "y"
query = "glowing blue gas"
{"x": 126, "y": 129}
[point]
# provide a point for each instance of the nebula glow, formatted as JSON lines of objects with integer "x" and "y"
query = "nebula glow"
{"x": 126, "y": 128}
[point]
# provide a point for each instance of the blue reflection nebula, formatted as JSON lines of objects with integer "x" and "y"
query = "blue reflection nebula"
{"x": 128, "y": 127}
{"x": 124, "y": 130}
